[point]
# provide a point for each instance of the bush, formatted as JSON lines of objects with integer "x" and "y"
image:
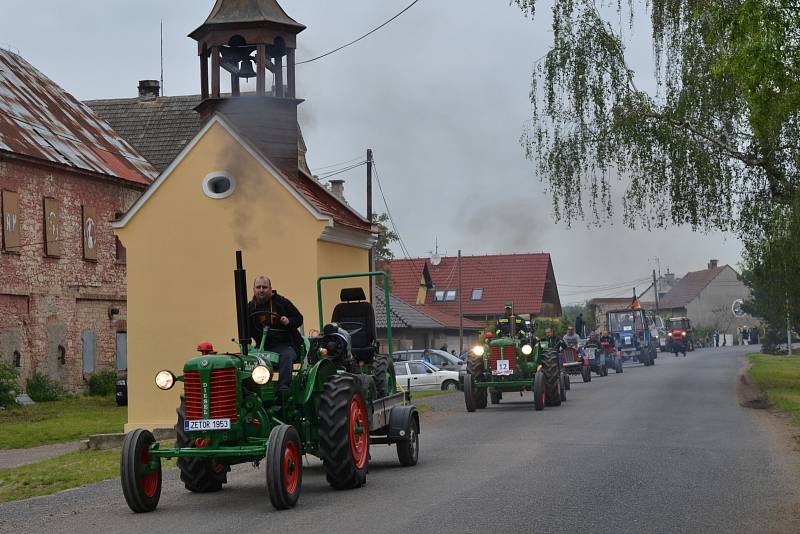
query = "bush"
{"x": 41, "y": 388}
{"x": 103, "y": 384}
{"x": 9, "y": 384}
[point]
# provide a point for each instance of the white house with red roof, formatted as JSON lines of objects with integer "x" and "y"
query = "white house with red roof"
{"x": 488, "y": 283}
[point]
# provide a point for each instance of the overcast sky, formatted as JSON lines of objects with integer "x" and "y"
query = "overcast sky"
{"x": 440, "y": 95}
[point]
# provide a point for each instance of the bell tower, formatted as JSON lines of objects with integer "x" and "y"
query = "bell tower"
{"x": 247, "y": 39}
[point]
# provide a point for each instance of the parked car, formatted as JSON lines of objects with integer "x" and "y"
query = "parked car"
{"x": 439, "y": 358}
{"x": 424, "y": 376}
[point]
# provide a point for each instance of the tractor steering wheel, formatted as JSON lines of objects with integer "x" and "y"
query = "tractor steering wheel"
{"x": 351, "y": 332}
{"x": 272, "y": 315}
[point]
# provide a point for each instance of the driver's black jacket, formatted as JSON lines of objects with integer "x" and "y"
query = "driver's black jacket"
{"x": 280, "y": 306}
{"x": 555, "y": 343}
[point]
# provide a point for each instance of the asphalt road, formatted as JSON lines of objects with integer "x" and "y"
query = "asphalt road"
{"x": 659, "y": 449}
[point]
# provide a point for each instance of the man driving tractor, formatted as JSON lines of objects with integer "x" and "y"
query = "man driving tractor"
{"x": 282, "y": 318}
{"x": 510, "y": 325}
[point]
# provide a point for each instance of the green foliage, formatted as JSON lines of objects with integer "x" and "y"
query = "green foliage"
{"x": 103, "y": 384}
{"x": 779, "y": 377}
{"x": 383, "y": 254}
{"x": 41, "y": 388}
{"x": 9, "y": 384}
{"x": 69, "y": 419}
{"x": 717, "y": 147}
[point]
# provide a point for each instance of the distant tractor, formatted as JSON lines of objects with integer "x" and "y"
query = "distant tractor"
{"x": 680, "y": 336}
{"x": 343, "y": 397}
{"x": 634, "y": 339}
{"x": 510, "y": 364}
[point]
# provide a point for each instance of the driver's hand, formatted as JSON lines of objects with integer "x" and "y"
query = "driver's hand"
{"x": 284, "y": 320}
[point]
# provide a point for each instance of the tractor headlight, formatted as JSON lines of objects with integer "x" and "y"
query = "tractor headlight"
{"x": 261, "y": 375}
{"x": 683, "y": 334}
{"x": 477, "y": 350}
{"x": 165, "y": 380}
{"x": 670, "y": 334}
{"x": 527, "y": 349}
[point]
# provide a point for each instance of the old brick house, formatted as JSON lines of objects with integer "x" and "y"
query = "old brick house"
{"x": 64, "y": 175}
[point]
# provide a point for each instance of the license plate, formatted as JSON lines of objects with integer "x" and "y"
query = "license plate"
{"x": 590, "y": 354}
{"x": 503, "y": 368}
{"x": 206, "y": 424}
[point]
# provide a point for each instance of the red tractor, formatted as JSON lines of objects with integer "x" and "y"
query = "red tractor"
{"x": 575, "y": 363}
{"x": 680, "y": 336}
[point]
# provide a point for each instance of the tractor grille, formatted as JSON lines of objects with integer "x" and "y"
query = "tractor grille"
{"x": 570, "y": 355}
{"x": 222, "y": 392}
{"x": 506, "y": 352}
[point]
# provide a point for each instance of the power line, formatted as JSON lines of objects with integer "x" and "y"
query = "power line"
{"x": 354, "y": 41}
{"x": 403, "y": 247}
{"x": 348, "y": 162}
{"x": 330, "y": 174}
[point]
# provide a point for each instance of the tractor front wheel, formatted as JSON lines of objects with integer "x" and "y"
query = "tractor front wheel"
{"x": 564, "y": 379}
{"x": 284, "y": 467}
{"x": 552, "y": 379}
{"x": 141, "y": 483}
{"x": 344, "y": 432}
{"x": 199, "y": 475}
{"x": 470, "y": 393}
{"x": 539, "y": 390}
{"x": 586, "y": 374}
{"x": 495, "y": 396}
{"x": 383, "y": 373}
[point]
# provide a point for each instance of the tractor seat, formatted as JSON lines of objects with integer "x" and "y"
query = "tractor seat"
{"x": 354, "y": 308}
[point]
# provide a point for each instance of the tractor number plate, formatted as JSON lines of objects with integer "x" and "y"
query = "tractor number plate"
{"x": 206, "y": 424}
{"x": 589, "y": 353}
{"x": 502, "y": 368}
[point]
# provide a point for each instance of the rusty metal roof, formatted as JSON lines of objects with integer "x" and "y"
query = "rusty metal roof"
{"x": 248, "y": 12}
{"x": 39, "y": 119}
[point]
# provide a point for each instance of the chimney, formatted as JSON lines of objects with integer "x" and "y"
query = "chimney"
{"x": 670, "y": 278}
{"x": 337, "y": 188}
{"x": 149, "y": 88}
{"x": 712, "y": 264}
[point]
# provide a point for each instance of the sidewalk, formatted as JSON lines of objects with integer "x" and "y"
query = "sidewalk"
{"x": 15, "y": 457}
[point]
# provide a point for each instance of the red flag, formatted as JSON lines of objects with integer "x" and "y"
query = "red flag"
{"x": 635, "y": 305}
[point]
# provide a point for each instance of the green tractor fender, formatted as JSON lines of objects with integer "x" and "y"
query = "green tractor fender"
{"x": 318, "y": 376}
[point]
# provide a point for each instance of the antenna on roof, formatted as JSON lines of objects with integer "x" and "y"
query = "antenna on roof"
{"x": 162, "y": 57}
{"x": 435, "y": 258}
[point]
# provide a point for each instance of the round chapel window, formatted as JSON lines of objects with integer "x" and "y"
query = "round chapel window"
{"x": 218, "y": 185}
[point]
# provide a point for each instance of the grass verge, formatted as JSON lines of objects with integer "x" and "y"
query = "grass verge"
{"x": 779, "y": 378}
{"x": 425, "y": 394}
{"x": 70, "y": 419}
{"x": 63, "y": 472}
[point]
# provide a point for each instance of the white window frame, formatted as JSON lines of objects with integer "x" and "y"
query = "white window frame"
{"x": 211, "y": 177}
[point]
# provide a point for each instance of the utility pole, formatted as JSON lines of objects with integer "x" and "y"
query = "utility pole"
{"x": 460, "y": 309}
{"x": 369, "y": 218}
{"x": 655, "y": 290}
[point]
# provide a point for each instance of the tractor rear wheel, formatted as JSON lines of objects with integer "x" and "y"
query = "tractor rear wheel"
{"x": 605, "y": 370}
{"x": 539, "y": 390}
{"x": 344, "y": 432}
{"x": 200, "y": 475}
{"x": 552, "y": 379}
{"x": 383, "y": 373}
{"x": 563, "y": 388}
{"x": 470, "y": 393}
{"x": 284, "y": 467}
{"x": 480, "y": 395}
{"x": 495, "y": 396}
{"x": 586, "y": 374}
{"x": 141, "y": 485}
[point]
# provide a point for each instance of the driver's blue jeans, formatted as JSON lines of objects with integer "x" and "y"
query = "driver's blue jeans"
{"x": 287, "y": 357}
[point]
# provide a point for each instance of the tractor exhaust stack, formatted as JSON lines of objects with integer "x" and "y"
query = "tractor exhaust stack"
{"x": 240, "y": 281}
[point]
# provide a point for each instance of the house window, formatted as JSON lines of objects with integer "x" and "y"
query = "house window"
{"x": 218, "y": 185}
{"x": 438, "y": 296}
{"x": 52, "y": 227}
{"x": 450, "y": 295}
{"x": 62, "y": 355}
{"x": 89, "y": 233}
{"x": 477, "y": 294}
{"x": 10, "y": 222}
{"x": 88, "y": 351}
{"x": 17, "y": 359}
{"x": 121, "y": 253}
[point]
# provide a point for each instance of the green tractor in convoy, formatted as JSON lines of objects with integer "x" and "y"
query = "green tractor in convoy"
{"x": 510, "y": 364}
{"x": 343, "y": 397}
